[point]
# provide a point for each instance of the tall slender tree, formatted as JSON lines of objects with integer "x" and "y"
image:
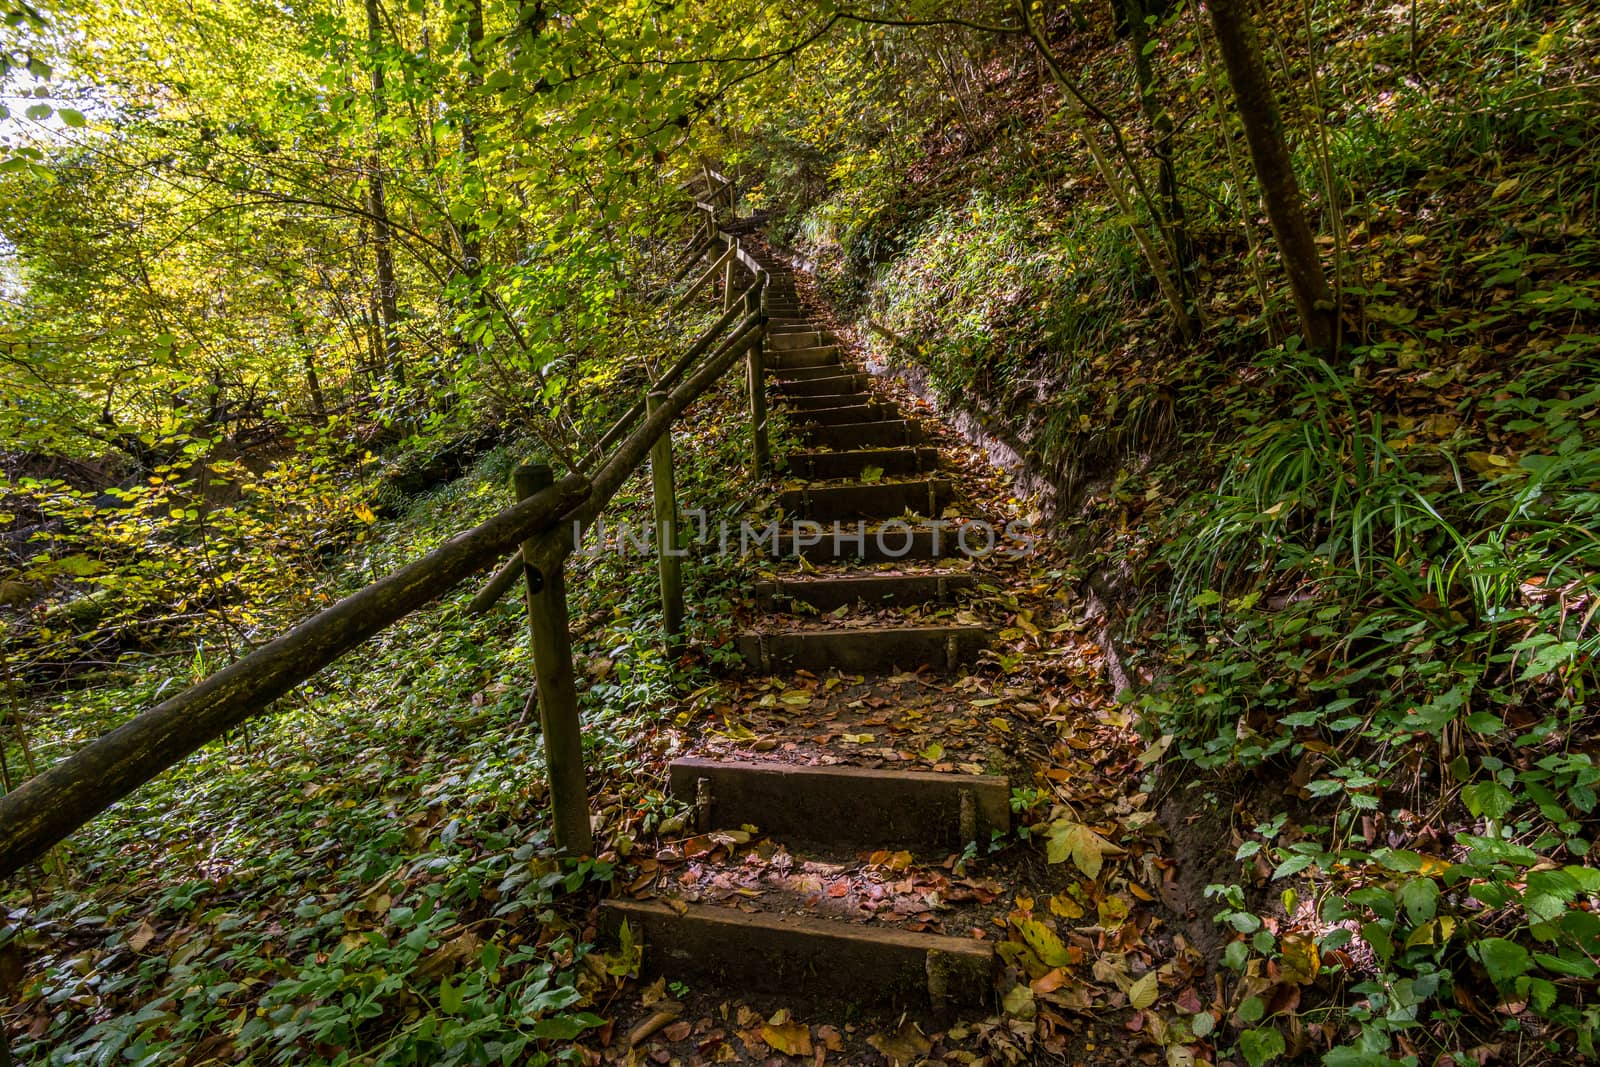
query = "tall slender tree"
{"x": 387, "y": 298}
{"x": 1269, "y": 152}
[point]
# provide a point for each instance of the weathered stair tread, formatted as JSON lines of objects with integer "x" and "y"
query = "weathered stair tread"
{"x": 785, "y": 375}
{"x": 797, "y": 341}
{"x": 873, "y": 500}
{"x": 803, "y": 406}
{"x": 832, "y": 385}
{"x": 863, "y": 410}
{"x": 848, "y": 805}
{"x": 896, "y": 542}
{"x": 828, "y": 593}
{"x": 807, "y": 956}
{"x": 894, "y": 462}
{"x": 781, "y": 356}
{"x": 862, "y": 649}
{"x": 887, "y": 434}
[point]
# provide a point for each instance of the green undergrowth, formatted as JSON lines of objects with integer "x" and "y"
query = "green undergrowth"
{"x": 1363, "y": 586}
{"x": 366, "y": 874}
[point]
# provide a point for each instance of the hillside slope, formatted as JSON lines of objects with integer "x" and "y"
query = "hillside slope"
{"x": 1360, "y": 586}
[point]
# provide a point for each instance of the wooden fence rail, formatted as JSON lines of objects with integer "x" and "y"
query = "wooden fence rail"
{"x": 538, "y": 530}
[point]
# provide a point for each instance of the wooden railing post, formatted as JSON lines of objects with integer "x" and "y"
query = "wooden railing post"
{"x": 756, "y": 379}
{"x": 552, "y": 667}
{"x": 669, "y": 548}
{"x": 727, "y": 273}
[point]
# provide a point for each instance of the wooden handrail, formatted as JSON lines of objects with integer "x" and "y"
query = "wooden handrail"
{"x": 47, "y": 807}
{"x": 711, "y": 272}
{"x": 506, "y": 575}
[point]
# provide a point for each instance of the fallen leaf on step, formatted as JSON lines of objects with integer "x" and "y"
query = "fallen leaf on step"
{"x": 1086, "y": 848}
{"x": 656, "y": 1021}
{"x": 903, "y": 1047}
{"x": 785, "y": 1035}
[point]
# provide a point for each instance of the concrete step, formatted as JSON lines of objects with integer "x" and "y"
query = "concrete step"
{"x": 784, "y": 375}
{"x": 826, "y": 594}
{"x": 893, "y": 462}
{"x": 890, "y": 434}
{"x": 860, "y": 651}
{"x": 868, "y": 500}
{"x": 892, "y": 542}
{"x": 835, "y": 385}
{"x": 842, "y": 414}
{"x": 797, "y": 339}
{"x": 799, "y": 955}
{"x": 845, "y": 806}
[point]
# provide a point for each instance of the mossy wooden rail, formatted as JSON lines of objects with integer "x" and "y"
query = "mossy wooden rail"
{"x": 537, "y": 529}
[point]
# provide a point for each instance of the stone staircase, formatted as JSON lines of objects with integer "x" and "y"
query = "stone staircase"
{"x": 862, "y": 491}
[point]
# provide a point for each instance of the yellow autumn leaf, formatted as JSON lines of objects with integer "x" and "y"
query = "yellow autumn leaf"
{"x": 1300, "y": 960}
{"x": 1143, "y": 993}
{"x": 791, "y": 1039}
{"x": 1086, "y": 848}
{"x": 1046, "y": 944}
{"x": 1066, "y": 907}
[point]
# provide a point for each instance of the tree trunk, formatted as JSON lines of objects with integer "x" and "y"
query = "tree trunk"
{"x": 471, "y": 239}
{"x": 1269, "y": 151}
{"x": 388, "y": 298}
{"x": 1136, "y": 12}
{"x": 1187, "y": 323}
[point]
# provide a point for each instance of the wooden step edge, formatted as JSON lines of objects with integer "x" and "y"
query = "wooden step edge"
{"x": 828, "y": 593}
{"x": 799, "y": 954}
{"x": 860, "y": 650}
{"x": 845, "y": 806}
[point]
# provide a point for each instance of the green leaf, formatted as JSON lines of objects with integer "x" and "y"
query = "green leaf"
{"x": 1293, "y": 865}
{"x": 1420, "y": 898}
{"x": 450, "y": 998}
{"x": 1261, "y": 1045}
{"x": 1504, "y": 960}
{"x": 1376, "y": 934}
{"x": 1349, "y": 1056}
{"x": 71, "y": 116}
{"x": 1489, "y": 800}
{"x": 1252, "y": 1009}
{"x": 565, "y": 1027}
{"x": 39, "y": 112}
